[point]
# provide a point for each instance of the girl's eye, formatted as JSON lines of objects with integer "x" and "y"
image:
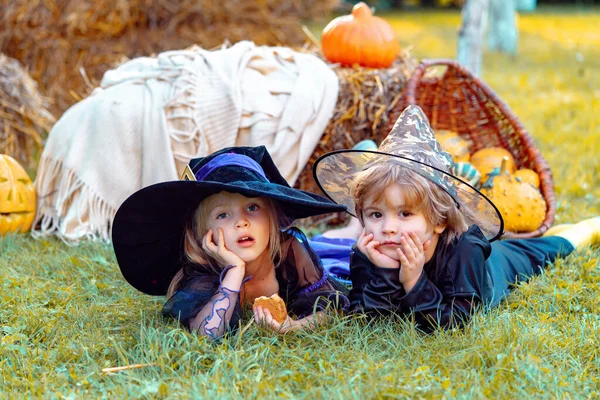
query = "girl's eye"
{"x": 222, "y": 216}
{"x": 405, "y": 214}
{"x": 375, "y": 214}
{"x": 253, "y": 207}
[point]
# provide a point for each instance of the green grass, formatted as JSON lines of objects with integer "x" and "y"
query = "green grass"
{"x": 66, "y": 312}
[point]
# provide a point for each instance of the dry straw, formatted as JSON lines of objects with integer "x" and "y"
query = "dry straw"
{"x": 24, "y": 120}
{"x": 68, "y": 45}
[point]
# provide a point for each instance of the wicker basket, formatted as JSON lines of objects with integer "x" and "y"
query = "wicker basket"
{"x": 459, "y": 101}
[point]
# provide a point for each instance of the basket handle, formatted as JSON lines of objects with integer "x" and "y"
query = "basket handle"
{"x": 420, "y": 70}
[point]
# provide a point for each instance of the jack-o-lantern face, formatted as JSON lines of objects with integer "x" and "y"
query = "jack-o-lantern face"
{"x": 17, "y": 197}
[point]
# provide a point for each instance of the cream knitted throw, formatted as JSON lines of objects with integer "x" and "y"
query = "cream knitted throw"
{"x": 151, "y": 115}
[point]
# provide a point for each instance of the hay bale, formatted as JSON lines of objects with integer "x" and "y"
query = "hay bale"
{"x": 24, "y": 119}
{"x": 366, "y": 98}
{"x": 68, "y": 45}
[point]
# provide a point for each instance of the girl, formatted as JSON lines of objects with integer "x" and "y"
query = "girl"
{"x": 218, "y": 240}
{"x": 425, "y": 248}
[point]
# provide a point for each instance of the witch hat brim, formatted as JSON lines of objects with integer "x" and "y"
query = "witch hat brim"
{"x": 412, "y": 145}
{"x": 148, "y": 228}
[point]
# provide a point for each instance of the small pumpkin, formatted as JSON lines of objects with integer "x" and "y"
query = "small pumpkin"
{"x": 17, "y": 197}
{"x": 529, "y": 176}
{"x": 521, "y": 205}
{"x": 466, "y": 172}
{"x": 487, "y": 159}
{"x": 452, "y": 143}
{"x": 360, "y": 38}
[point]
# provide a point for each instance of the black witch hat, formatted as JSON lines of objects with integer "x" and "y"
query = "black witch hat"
{"x": 148, "y": 229}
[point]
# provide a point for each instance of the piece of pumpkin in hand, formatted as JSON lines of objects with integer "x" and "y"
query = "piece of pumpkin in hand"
{"x": 274, "y": 304}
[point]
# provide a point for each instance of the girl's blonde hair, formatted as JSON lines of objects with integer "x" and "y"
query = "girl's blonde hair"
{"x": 420, "y": 194}
{"x": 197, "y": 227}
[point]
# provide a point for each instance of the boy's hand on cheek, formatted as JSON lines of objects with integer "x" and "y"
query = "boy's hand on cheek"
{"x": 368, "y": 247}
{"x": 219, "y": 252}
{"x": 412, "y": 259}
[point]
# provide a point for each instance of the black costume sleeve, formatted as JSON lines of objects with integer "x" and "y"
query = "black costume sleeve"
{"x": 447, "y": 295}
{"x": 432, "y": 308}
{"x": 374, "y": 290}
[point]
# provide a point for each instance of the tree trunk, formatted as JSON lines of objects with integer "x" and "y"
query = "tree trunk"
{"x": 470, "y": 35}
{"x": 503, "y": 35}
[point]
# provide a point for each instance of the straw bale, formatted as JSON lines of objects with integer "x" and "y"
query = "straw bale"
{"x": 68, "y": 45}
{"x": 362, "y": 112}
{"x": 24, "y": 120}
{"x": 112, "y": 17}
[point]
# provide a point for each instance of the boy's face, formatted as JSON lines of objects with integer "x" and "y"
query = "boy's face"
{"x": 245, "y": 223}
{"x": 391, "y": 217}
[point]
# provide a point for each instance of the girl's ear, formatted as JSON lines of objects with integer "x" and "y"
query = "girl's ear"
{"x": 440, "y": 228}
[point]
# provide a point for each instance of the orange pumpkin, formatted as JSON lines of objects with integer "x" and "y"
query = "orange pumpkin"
{"x": 452, "y": 143}
{"x": 529, "y": 176}
{"x": 17, "y": 197}
{"x": 360, "y": 38}
{"x": 490, "y": 158}
{"x": 521, "y": 205}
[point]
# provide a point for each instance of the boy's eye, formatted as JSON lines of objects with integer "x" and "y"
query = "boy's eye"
{"x": 253, "y": 207}
{"x": 222, "y": 216}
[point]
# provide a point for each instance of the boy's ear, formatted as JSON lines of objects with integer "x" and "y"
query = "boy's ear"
{"x": 359, "y": 214}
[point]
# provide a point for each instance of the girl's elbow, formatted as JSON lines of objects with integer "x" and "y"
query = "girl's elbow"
{"x": 201, "y": 330}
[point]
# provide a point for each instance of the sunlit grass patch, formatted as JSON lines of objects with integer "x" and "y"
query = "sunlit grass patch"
{"x": 67, "y": 314}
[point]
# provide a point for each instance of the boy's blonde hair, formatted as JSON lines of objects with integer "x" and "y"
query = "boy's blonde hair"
{"x": 420, "y": 194}
{"x": 197, "y": 227}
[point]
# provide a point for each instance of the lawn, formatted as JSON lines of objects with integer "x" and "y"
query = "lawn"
{"x": 66, "y": 312}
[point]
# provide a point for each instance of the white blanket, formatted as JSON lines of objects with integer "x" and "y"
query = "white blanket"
{"x": 150, "y": 116}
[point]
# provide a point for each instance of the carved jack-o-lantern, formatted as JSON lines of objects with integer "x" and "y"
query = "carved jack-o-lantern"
{"x": 17, "y": 197}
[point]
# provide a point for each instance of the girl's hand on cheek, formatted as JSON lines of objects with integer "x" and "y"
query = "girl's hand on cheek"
{"x": 412, "y": 259}
{"x": 369, "y": 248}
{"x": 219, "y": 252}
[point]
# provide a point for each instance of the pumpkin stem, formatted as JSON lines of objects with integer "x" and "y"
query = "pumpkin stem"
{"x": 361, "y": 10}
{"x": 504, "y": 166}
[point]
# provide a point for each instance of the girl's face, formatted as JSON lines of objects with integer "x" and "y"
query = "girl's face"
{"x": 245, "y": 223}
{"x": 391, "y": 217}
